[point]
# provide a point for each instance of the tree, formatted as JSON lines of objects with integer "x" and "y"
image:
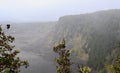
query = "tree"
{"x": 116, "y": 65}
{"x": 84, "y": 69}
{"x": 9, "y": 61}
{"x": 63, "y": 61}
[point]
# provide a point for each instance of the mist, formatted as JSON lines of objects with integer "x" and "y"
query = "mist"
{"x": 89, "y": 27}
{"x": 50, "y": 10}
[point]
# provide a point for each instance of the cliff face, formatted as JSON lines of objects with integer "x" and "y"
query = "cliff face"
{"x": 92, "y": 36}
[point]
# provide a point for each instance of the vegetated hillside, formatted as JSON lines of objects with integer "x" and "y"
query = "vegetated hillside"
{"x": 93, "y": 37}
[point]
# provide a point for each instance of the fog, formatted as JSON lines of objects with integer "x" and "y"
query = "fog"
{"x": 50, "y": 10}
{"x": 29, "y": 38}
{"x": 38, "y": 25}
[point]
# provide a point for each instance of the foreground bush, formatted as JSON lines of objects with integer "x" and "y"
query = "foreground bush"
{"x": 9, "y": 61}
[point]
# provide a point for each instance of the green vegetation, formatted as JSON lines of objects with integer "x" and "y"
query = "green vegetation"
{"x": 9, "y": 61}
{"x": 116, "y": 65}
{"x": 64, "y": 63}
{"x": 93, "y": 37}
{"x": 84, "y": 69}
{"x": 63, "y": 59}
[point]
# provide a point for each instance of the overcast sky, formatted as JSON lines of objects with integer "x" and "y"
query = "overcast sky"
{"x": 50, "y": 10}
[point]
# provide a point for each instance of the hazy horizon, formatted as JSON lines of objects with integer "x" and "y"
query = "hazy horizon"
{"x": 50, "y": 10}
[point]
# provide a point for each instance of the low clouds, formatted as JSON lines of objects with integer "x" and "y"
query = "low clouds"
{"x": 47, "y": 10}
